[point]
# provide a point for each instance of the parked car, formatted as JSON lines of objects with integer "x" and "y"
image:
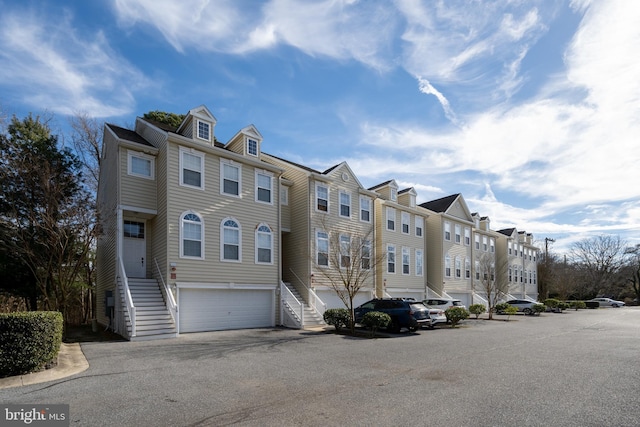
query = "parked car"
{"x": 607, "y": 302}
{"x": 404, "y": 313}
{"x": 437, "y": 316}
{"x": 523, "y": 305}
{"x": 443, "y": 303}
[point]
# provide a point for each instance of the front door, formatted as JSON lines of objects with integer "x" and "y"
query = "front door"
{"x": 134, "y": 249}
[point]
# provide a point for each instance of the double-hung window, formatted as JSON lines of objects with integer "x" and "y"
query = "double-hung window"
{"x": 419, "y": 225}
{"x": 322, "y": 198}
{"x": 458, "y": 268}
{"x": 231, "y": 250}
{"x": 252, "y": 147}
{"x": 458, "y": 231}
{"x": 345, "y": 251}
{"x": 467, "y": 268}
{"x": 191, "y": 169}
{"x": 345, "y": 204}
{"x": 477, "y": 240}
{"x": 405, "y": 217}
{"x": 478, "y": 271}
{"x": 447, "y": 231}
{"x": 447, "y": 265}
{"x": 365, "y": 209}
{"x": 322, "y": 248}
{"x": 140, "y": 165}
{"x": 485, "y": 244}
{"x": 231, "y": 178}
{"x": 191, "y": 235}
{"x": 391, "y": 259}
{"x": 406, "y": 262}
{"x": 492, "y": 245}
{"x": 391, "y": 219}
{"x": 365, "y": 256}
{"x": 264, "y": 244}
{"x": 204, "y": 130}
{"x": 467, "y": 236}
{"x": 419, "y": 262}
{"x": 264, "y": 183}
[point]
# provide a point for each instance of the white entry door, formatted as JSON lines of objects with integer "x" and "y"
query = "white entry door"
{"x": 134, "y": 249}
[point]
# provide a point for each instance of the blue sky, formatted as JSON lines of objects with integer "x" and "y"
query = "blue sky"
{"x": 530, "y": 109}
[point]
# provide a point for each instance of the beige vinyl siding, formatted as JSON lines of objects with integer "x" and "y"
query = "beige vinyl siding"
{"x": 459, "y": 251}
{"x": 296, "y": 244}
{"x": 159, "y": 225}
{"x": 435, "y": 252}
{"x": 136, "y": 191}
{"x": 213, "y": 207}
{"x": 107, "y": 200}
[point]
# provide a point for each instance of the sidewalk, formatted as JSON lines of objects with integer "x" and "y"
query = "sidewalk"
{"x": 71, "y": 361}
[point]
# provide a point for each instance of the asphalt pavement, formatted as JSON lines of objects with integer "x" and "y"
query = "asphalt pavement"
{"x": 578, "y": 368}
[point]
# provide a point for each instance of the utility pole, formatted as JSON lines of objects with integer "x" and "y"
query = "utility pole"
{"x": 547, "y": 272}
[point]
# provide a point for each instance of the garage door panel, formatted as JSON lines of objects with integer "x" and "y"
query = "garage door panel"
{"x": 219, "y": 309}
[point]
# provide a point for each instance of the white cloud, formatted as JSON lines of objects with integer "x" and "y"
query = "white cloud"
{"x": 47, "y": 65}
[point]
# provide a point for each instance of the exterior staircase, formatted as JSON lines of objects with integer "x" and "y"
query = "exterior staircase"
{"x": 312, "y": 318}
{"x": 153, "y": 319}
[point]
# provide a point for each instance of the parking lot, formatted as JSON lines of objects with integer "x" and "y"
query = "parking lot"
{"x": 572, "y": 369}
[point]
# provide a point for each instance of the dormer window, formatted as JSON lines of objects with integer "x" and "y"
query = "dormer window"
{"x": 394, "y": 194}
{"x": 252, "y": 147}
{"x": 204, "y": 130}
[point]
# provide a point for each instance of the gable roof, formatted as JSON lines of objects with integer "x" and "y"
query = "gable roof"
{"x": 507, "y": 231}
{"x": 128, "y": 135}
{"x": 442, "y": 204}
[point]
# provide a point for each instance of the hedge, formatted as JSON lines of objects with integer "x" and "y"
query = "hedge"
{"x": 30, "y": 340}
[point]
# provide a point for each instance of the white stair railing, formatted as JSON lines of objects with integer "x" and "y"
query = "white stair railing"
{"x": 168, "y": 295}
{"x": 291, "y": 308}
{"x": 316, "y": 303}
{"x": 131, "y": 309}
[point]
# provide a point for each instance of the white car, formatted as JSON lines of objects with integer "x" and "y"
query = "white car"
{"x": 607, "y": 302}
{"x": 523, "y": 305}
{"x": 443, "y": 303}
{"x": 437, "y": 316}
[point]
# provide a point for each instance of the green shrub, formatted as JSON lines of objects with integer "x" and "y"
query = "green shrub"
{"x": 551, "y": 303}
{"x": 562, "y": 305}
{"x": 501, "y": 307}
{"x": 538, "y": 308}
{"x": 456, "y": 314}
{"x": 510, "y": 311}
{"x": 375, "y": 320}
{"x": 477, "y": 309}
{"x": 30, "y": 340}
{"x": 338, "y": 317}
{"x": 578, "y": 305}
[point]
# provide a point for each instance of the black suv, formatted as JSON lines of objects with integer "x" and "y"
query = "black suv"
{"x": 404, "y": 313}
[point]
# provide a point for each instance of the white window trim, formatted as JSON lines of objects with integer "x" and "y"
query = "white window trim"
{"x": 202, "y": 246}
{"x": 370, "y": 202}
{"x": 345, "y": 251}
{"x": 222, "y": 228}
{"x": 198, "y": 122}
{"x": 340, "y": 204}
{"x": 419, "y": 256}
{"x": 235, "y": 165}
{"x": 194, "y": 153}
{"x": 390, "y": 213}
{"x": 271, "y": 181}
{"x": 406, "y": 251}
{"x": 458, "y": 233}
{"x": 151, "y": 159}
{"x": 328, "y": 248}
{"x": 392, "y": 249}
{"x": 249, "y": 140}
{"x": 446, "y": 229}
{"x": 257, "y": 232}
{"x": 284, "y": 196}
{"x": 405, "y": 216}
{"x": 316, "y": 198}
{"x": 367, "y": 244}
{"x": 419, "y": 225}
{"x": 467, "y": 236}
{"x": 447, "y": 261}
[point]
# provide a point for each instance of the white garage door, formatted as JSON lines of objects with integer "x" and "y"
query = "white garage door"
{"x": 217, "y": 309}
{"x": 333, "y": 300}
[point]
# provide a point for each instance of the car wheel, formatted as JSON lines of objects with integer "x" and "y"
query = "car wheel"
{"x": 527, "y": 311}
{"x": 614, "y": 305}
{"x": 413, "y": 328}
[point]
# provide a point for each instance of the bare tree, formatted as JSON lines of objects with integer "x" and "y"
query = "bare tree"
{"x": 87, "y": 137}
{"x": 599, "y": 258}
{"x": 632, "y": 270}
{"x": 493, "y": 279}
{"x": 346, "y": 262}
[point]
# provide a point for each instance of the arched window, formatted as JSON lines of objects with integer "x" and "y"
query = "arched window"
{"x": 191, "y": 235}
{"x": 231, "y": 238}
{"x": 264, "y": 244}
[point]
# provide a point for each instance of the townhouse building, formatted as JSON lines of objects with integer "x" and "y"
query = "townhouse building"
{"x": 329, "y": 237}
{"x": 449, "y": 250}
{"x": 199, "y": 235}
{"x": 489, "y": 269}
{"x": 190, "y": 230}
{"x": 401, "y": 241}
